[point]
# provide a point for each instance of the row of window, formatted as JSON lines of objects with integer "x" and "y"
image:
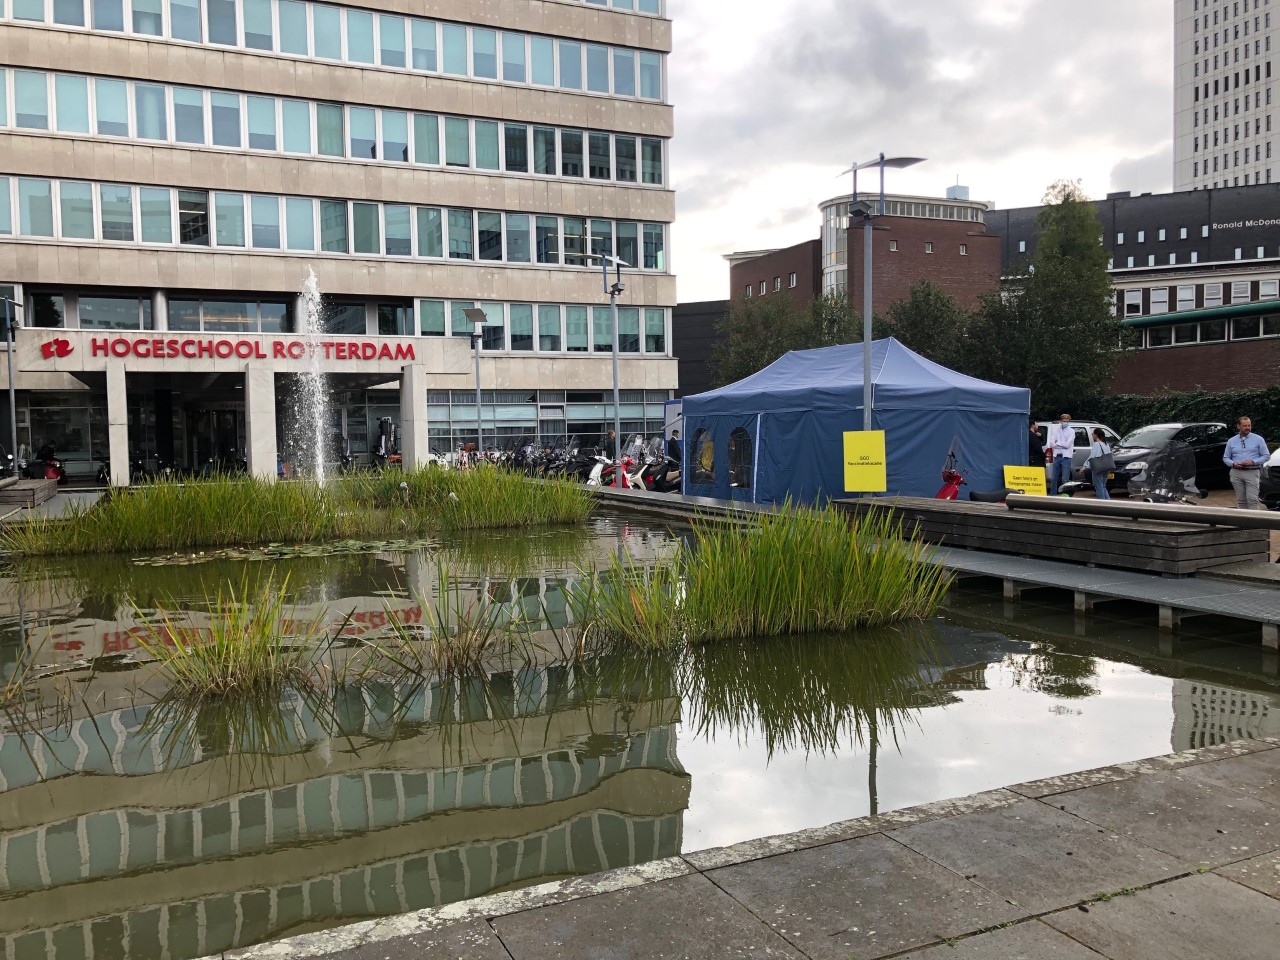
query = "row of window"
{"x": 508, "y": 328}
{"x": 1209, "y": 331}
{"x": 353, "y": 35}
{"x": 1260, "y": 72}
{"x": 1210, "y": 295}
{"x": 1231, "y": 134}
{"x": 777, "y": 285}
{"x": 640, "y": 6}
{"x": 1235, "y": 111}
{"x": 70, "y": 103}
{"x": 1195, "y": 166}
{"x": 1258, "y": 253}
{"x": 77, "y": 210}
{"x": 1233, "y": 11}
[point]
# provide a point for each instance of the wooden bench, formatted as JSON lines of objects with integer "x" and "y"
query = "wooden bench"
{"x": 1169, "y": 545}
{"x": 27, "y": 493}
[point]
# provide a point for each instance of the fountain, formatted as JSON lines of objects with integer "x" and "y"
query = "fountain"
{"x": 306, "y": 431}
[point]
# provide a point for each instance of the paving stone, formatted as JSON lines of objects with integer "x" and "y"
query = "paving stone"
{"x": 1185, "y": 813}
{"x": 866, "y": 898}
{"x": 688, "y": 917}
{"x": 1026, "y": 941}
{"x": 1260, "y": 873}
{"x": 1037, "y": 855}
{"x": 1189, "y": 919}
{"x": 464, "y": 941}
{"x": 1257, "y": 775}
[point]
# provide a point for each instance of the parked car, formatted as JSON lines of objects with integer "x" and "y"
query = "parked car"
{"x": 1269, "y": 482}
{"x": 1084, "y": 439}
{"x": 1208, "y": 441}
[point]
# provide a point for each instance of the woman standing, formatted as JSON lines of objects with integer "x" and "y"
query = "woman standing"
{"x": 1100, "y": 464}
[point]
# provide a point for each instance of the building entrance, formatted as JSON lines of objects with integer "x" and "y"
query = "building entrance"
{"x": 216, "y": 436}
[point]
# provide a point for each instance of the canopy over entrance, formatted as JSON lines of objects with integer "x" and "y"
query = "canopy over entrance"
{"x": 780, "y": 432}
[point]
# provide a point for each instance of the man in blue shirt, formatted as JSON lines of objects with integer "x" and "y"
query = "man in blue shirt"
{"x": 1245, "y": 454}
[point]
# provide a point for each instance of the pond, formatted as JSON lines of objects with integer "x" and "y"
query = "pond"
{"x": 133, "y": 825}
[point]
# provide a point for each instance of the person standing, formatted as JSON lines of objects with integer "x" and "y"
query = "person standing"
{"x": 673, "y": 446}
{"x": 1035, "y": 446}
{"x": 1062, "y": 441}
{"x": 1245, "y": 454}
{"x": 1100, "y": 463}
{"x": 611, "y": 446}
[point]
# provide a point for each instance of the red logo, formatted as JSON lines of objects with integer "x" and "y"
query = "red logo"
{"x": 56, "y": 348}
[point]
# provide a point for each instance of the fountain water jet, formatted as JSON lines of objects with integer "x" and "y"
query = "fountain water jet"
{"x": 307, "y": 433}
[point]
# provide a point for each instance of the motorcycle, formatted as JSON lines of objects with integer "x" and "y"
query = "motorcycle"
{"x": 1167, "y": 476}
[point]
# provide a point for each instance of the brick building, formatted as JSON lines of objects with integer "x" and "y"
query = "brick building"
{"x": 794, "y": 270}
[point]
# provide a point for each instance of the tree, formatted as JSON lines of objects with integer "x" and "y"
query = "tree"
{"x": 931, "y": 323}
{"x": 1053, "y": 329}
{"x": 757, "y": 331}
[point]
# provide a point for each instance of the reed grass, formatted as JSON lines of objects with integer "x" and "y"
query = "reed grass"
{"x": 242, "y": 650}
{"x": 224, "y": 511}
{"x": 800, "y": 570}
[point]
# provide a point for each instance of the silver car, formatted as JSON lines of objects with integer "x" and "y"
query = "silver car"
{"x": 1084, "y": 439}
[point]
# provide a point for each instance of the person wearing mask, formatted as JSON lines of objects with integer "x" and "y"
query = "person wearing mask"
{"x": 1245, "y": 454}
{"x": 1062, "y": 442}
{"x": 1035, "y": 446}
{"x": 1099, "y": 464}
{"x": 673, "y": 446}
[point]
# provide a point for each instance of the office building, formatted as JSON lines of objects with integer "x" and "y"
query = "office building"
{"x": 1223, "y": 99}
{"x": 170, "y": 170}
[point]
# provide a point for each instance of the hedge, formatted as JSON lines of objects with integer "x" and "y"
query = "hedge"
{"x": 1126, "y": 412}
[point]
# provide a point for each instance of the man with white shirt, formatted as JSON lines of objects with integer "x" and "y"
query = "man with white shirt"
{"x": 1062, "y": 441}
{"x": 1245, "y": 454}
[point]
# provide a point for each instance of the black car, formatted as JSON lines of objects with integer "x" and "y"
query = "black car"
{"x": 1208, "y": 441}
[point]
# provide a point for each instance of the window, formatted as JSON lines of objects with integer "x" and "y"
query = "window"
{"x": 893, "y": 246}
{"x": 928, "y": 246}
{"x": 570, "y": 65}
{"x": 793, "y": 280}
{"x": 76, "y": 208}
{"x": 110, "y": 313}
{"x": 334, "y": 237}
{"x": 193, "y": 217}
{"x": 460, "y": 237}
{"x": 1120, "y": 238}
{"x": 71, "y": 95}
{"x": 964, "y": 249}
{"x": 1022, "y": 244}
{"x": 764, "y": 287}
{"x": 518, "y": 246}
{"x": 1240, "y": 292}
{"x": 651, "y": 153}
{"x": 224, "y": 114}
{"x": 487, "y": 153}
{"x": 395, "y": 136}
{"x": 484, "y": 54}
{"x": 1159, "y": 300}
{"x": 1213, "y": 294}
{"x": 548, "y": 327}
{"x": 777, "y": 283}
{"x": 489, "y": 229}
{"x": 547, "y": 239}
{"x": 571, "y": 153}
{"x": 1187, "y": 297}
{"x": 624, "y": 150}
{"x": 397, "y": 229}
{"x": 30, "y": 100}
{"x": 154, "y": 207}
{"x": 513, "y": 59}
{"x": 655, "y": 330}
{"x": 1132, "y": 303}
{"x": 391, "y": 45}
{"x": 228, "y": 209}
{"x": 628, "y": 329}
{"x": 703, "y": 462}
{"x": 426, "y": 138}
{"x": 516, "y": 147}
{"x": 575, "y": 329}
{"x": 423, "y": 38}
{"x": 299, "y": 222}
{"x": 116, "y": 212}
{"x": 749, "y": 289}
{"x": 366, "y": 237}
{"x": 741, "y": 457}
{"x": 430, "y": 232}
{"x": 597, "y": 68}
{"x": 1268, "y": 289}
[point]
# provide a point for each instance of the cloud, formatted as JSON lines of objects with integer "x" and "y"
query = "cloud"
{"x": 1009, "y": 95}
{"x": 1152, "y": 173}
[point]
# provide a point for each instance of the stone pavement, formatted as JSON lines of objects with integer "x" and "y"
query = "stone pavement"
{"x": 1163, "y": 859}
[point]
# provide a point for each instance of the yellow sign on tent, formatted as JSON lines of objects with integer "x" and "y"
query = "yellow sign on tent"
{"x": 1026, "y": 479}
{"x": 864, "y": 462}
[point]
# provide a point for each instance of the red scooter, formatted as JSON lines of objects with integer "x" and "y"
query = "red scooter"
{"x": 952, "y": 481}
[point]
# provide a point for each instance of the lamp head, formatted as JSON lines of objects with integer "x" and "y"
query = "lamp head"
{"x": 475, "y": 316}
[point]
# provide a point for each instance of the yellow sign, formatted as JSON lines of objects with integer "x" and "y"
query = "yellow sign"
{"x": 864, "y": 462}
{"x": 1026, "y": 479}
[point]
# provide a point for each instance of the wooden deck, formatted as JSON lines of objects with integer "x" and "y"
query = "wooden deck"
{"x": 1150, "y": 546}
{"x": 27, "y": 493}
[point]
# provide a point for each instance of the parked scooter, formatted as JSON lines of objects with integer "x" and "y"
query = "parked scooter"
{"x": 1169, "y": 477}
{"x": 952, "y": 480}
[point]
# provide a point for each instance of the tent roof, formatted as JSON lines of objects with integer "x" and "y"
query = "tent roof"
{"x": 901, "y": 378}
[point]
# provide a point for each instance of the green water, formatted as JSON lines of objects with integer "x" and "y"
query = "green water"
{"x": 135, "y": 825}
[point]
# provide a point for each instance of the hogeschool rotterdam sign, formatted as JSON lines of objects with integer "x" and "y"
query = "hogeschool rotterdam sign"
{"x": 242, "y": 348}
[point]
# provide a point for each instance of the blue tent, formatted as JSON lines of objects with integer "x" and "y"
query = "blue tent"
{"x": 779, "y": 432}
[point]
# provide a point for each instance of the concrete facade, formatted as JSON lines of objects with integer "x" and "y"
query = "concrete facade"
{"x": 1222, "y": 85}
{"x": 56, "y": 166}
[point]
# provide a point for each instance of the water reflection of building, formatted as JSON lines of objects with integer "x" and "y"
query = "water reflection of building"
{"x": 398, "y": 800}
{"x": 1205, "y": 715}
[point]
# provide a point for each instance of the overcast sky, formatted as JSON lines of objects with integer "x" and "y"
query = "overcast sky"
{"x": 773, "y": 98}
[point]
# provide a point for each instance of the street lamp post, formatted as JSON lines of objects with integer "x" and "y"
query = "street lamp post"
{"x": 477, "y": 319}
{"x": 13, "y": 409}
{"x": 613, "y": 290}
{"x": 865, "y": 209}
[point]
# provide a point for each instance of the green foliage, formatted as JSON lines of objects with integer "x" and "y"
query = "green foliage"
{"x": 240, "y": 650}
{"x": 1127, "y": 412}
{"x": 758, "y": 330}
{"x": 931, "y": 323}
{"x": 230, "y": 511}
{"x": 796, "y": 571}
{"x": 1053, "y": 329}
